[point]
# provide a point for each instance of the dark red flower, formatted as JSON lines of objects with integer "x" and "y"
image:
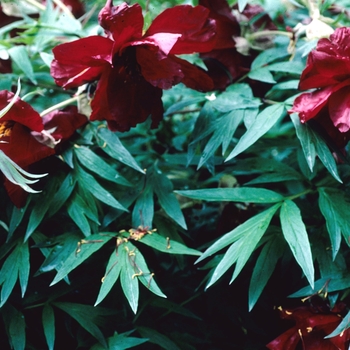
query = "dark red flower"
{"x": 132, "y": 68}
{"x": 225, "y": 62}
{"x": 75, "y": 6}
{"x": 22, "y": 138}
{"x": 328, "y": 71}
{"x": 312, "y": 325}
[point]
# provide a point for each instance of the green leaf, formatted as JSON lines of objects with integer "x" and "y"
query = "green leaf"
{"x": 239, "y": 252}
{"x": 268, "y": 56}
{"x": 329, "y": 211}
{"x": 143, "y": 211}
{"x": 163, "y": 188}
{"x": 90, "y": 184}
{"x": 15, "y": 326}
{"x": 19, "y": 55}
{"x": 121, "y": 342}
{"x": 164, "y": 245}
{"x": 23, "y": 267}
{"x": 48, "y": 319}
{"x": 63, "y": 193}
{"x": 264, "y": 267}
{"x": 326, "y": 156}
{"x": 97, "y": 165}
{"x": 128, "y": 280}
{"x": 291, "y": 67}
{"x": 111, "y": 275}
{"x": 236, "y": 194}
{"x": 342, "y": 327}
{"x": 110, "y": 143}
{"x": 262, "y": 124}
{"x": 262, "y": 74}
{"x": 157, "y": 338}
{"x": 178, "y": 106}
{"x": 294, "y": 232}
{"x": 76, "y": 257}
{"x": 305, "y": 137}
{"x": 84, "y": 315}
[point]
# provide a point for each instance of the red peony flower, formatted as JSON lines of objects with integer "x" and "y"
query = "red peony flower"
{"x": 229, "y": 60}
{"x": 312, "y": 325}
{"x": 20, "y": 129}
{"x": 328, "y": 71}
{"x": 132, "y": 68}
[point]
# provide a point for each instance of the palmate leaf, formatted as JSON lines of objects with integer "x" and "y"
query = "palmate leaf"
{"x": 294, "y": 232}
{"x": 262, "y": 124}
{"x": 245, "y": 238}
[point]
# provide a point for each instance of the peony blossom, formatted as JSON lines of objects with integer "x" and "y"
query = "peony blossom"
{"x": 232, "y": 55}
{"x": 133, "y": 68}
{"x": 312, "y": 325}
{"x": 328, "y": 71}
{"x": 22, "y": 132}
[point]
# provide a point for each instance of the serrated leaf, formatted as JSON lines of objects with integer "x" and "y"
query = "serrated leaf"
{"x": 76, "y": 258}
{"x": 240, "y": 251}
{"x": 236, "y": 194}
{"x": 264, "y": 267}
{"x": 295, "y": 234}
{"x": 160, "y": 243}
{"x": 264, "y": 121}
{"x": 48, "y": 319}
{"x": 83, "y": 314}
{"x": 110, "y": 143}
{"x": 305, "y": 137}
{"x": 97, "y": 165}
{"x": 90, "y": 184}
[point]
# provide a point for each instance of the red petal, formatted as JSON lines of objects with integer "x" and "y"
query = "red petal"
{"x": 288, "y": 340}
{"x": 21, "y": 112}
{"x": 193, "y": 23}
{"x": 65, "y": 122}
{"x": 81, "y": 61}
{"x": 125, "y": 100}
{"x": 339, "y": 109}
{"x": 124, "y": 23}
{"x": 76, "y": 7}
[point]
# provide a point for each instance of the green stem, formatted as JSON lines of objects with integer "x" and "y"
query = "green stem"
{"x": 267, "y": 33}
{"x": 61, "y": 105}
{"x": 300, "y": 194}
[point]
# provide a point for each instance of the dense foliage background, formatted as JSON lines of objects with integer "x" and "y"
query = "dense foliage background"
{"x": 202, "y": 232}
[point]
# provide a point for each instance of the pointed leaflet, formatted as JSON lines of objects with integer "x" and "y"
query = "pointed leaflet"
{"x": 329, "y": 211}
{"x": 19, "y": 55}
{"x": 305, "y": 137}
{"x": 237, "y": 194}
{"x": 264, "y": 268}
{"x": 15, "y": 326}
{"x": 294, "y": 232}
{"x": 164, "y": 190}
{"x": 121, "y": 342}
{"x": 164, "y": 245}
{"x": 89, "y": 183}
{"x": 264, "y": 121}
{"x": 110, "y": 143}
{"x": 76, "y": 258}
{"x": 128, "y": 280}
{"x": 85, "y": 315}
{"x": 48, "y": 319}
{"x": 113, "y": 269}
{"x": 94, "y": 163}
{"x": 243, "y": 247}
{"x": 343, "y": 326}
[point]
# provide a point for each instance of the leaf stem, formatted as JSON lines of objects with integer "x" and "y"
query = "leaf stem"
{"x": 61, "y": 105}
{"x": 300, "y": 194}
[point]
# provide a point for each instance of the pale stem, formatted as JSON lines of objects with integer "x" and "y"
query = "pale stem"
{"x": 64, "y": 8}
{"x": 269, "y": 32}
{"x": 36, "y": 4}
{"x": 61, "y": 105}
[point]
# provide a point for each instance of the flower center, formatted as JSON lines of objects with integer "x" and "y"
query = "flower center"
{"x": 6, "y": 128}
